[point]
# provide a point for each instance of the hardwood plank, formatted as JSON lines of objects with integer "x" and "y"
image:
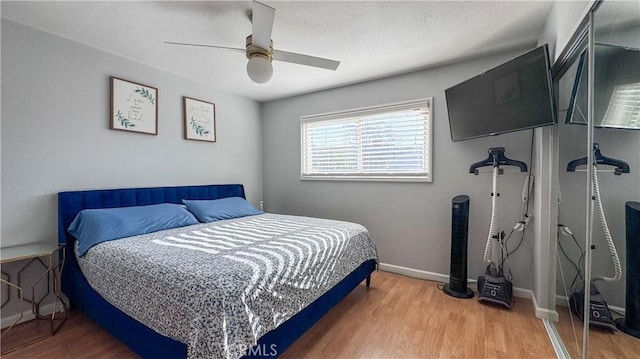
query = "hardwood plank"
{"x": 602, "y": 343}
{"x": 398, "y": 317}
{"x": 79, "y": 337}
{"x": 406, "y": 317}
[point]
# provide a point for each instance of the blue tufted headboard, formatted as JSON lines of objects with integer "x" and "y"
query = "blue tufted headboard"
{"x": 70, "y": 203}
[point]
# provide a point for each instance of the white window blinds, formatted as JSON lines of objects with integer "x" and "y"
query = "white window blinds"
{"x": 624, "y": 107}
{"x": 388, "y": 142}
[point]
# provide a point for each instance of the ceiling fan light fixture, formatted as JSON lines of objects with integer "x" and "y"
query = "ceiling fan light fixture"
{"x": 261, "y": 53}
{"x": 259, "y": 68}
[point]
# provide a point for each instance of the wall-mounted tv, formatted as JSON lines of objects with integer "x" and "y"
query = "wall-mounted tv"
{"x": 617, "y": 88}
{"x": 514, "y": 96}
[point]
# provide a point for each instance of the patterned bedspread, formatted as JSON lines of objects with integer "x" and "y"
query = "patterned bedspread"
{"x": 218, "y": 287}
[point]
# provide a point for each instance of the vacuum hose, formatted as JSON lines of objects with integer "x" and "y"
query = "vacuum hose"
{"x": 607, "y": 234}
{"x": 494, "y": 215}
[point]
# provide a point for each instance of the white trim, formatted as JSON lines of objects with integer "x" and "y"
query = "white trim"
{"x": 556, "y": 340}
{"x": 545, "y": 213}
{"x": 562, "y": 300}
{"x": 27, "y": 314}
{"x": 544, "y": 313}
{"x": 390, "y": 178}
{"x": 443, "y": 278}
{"x": 355, "y": 115}
{"x": 414, "y": 273}
{"x": 368, "y": 110}
{"x": 618, "y": 310}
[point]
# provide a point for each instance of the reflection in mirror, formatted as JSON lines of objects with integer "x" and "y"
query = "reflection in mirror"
{"x": 616, "y": 111}
{"x": 571, "y": 214}
{"x": 617, "y": 88}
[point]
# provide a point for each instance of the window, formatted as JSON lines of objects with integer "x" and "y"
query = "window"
{"x": 624, "y": 108}
{"x": 388, "y": 142}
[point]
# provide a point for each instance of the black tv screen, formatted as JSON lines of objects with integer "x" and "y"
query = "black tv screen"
{"x": 514, "y": 96}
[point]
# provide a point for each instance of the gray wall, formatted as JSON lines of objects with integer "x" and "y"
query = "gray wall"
{"x": 56, "y": 137}
{"x": 410, "y": 222}
{"x": 562, "y": 22}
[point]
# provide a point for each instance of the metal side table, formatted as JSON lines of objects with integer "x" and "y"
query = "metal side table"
{"x": 34, "y": 253}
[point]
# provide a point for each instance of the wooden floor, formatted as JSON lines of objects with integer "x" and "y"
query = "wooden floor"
{"x": 602, "y": 343}
{"x": 398, "y": 317}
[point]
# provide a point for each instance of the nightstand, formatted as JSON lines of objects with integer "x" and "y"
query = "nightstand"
{"x": 51, "y": 257}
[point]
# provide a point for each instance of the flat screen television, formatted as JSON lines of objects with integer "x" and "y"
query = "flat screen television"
{"x": 617, "y": 88}
{"x": 514, "y": 96}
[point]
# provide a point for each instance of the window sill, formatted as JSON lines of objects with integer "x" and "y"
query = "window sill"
{"x": 367, "y": 179}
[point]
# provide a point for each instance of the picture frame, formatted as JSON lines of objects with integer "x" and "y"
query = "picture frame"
{"x": 134, "y": 107}
{"x": 199, "y": 119}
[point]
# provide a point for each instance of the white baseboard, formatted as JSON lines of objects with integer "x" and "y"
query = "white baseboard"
{"x": 617, "y": 309}
{"x": 27, "y": 314}
{"x": 444, "y": 278}
{"x": 544, "y": 313}
{"x": 562, "y": 300}
{"x": 414, "y": 273}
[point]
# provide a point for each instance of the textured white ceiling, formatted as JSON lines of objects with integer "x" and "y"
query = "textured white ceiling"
{"x": 371, "y": 39}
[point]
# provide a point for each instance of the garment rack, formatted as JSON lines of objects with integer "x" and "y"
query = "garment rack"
{"x": 599, "y": 159}
{"x": 497, "y": 158}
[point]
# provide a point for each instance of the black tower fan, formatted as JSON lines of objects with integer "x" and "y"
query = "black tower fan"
{"x": 630, "y": 324}
{"x": 457, "y": 286}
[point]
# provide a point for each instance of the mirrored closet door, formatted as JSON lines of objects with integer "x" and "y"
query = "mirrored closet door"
{"x": 616, "y": 133}
{"x": 572, "y": 191}
{"x": 597, "y": 79}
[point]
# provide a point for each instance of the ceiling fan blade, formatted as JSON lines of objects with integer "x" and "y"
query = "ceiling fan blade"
{"x": 262, "y": 20}
{"x": 305, "y": 60}
{"x": 203, "y": 45}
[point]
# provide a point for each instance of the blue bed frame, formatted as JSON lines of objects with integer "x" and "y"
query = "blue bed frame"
{"x": 142, "y": 340}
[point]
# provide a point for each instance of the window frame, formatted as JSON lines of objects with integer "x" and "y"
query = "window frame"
{"x": 369, "y": 111}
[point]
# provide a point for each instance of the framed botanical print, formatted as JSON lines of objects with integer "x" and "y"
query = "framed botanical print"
{"x": 134, "y": 107}
{"x": 199, "y": 120}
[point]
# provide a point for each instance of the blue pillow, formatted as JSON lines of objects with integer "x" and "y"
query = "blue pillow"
{"x": 94, "y": 226}
{"x": 217, "y": 209}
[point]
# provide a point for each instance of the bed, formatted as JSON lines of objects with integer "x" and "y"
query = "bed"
{"x": 275, "y": 334}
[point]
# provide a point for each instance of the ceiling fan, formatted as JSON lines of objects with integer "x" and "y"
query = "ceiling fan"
{"x": 259, "y": 48}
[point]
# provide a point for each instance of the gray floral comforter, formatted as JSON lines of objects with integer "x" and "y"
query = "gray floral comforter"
{"x": 218, "y": 287}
